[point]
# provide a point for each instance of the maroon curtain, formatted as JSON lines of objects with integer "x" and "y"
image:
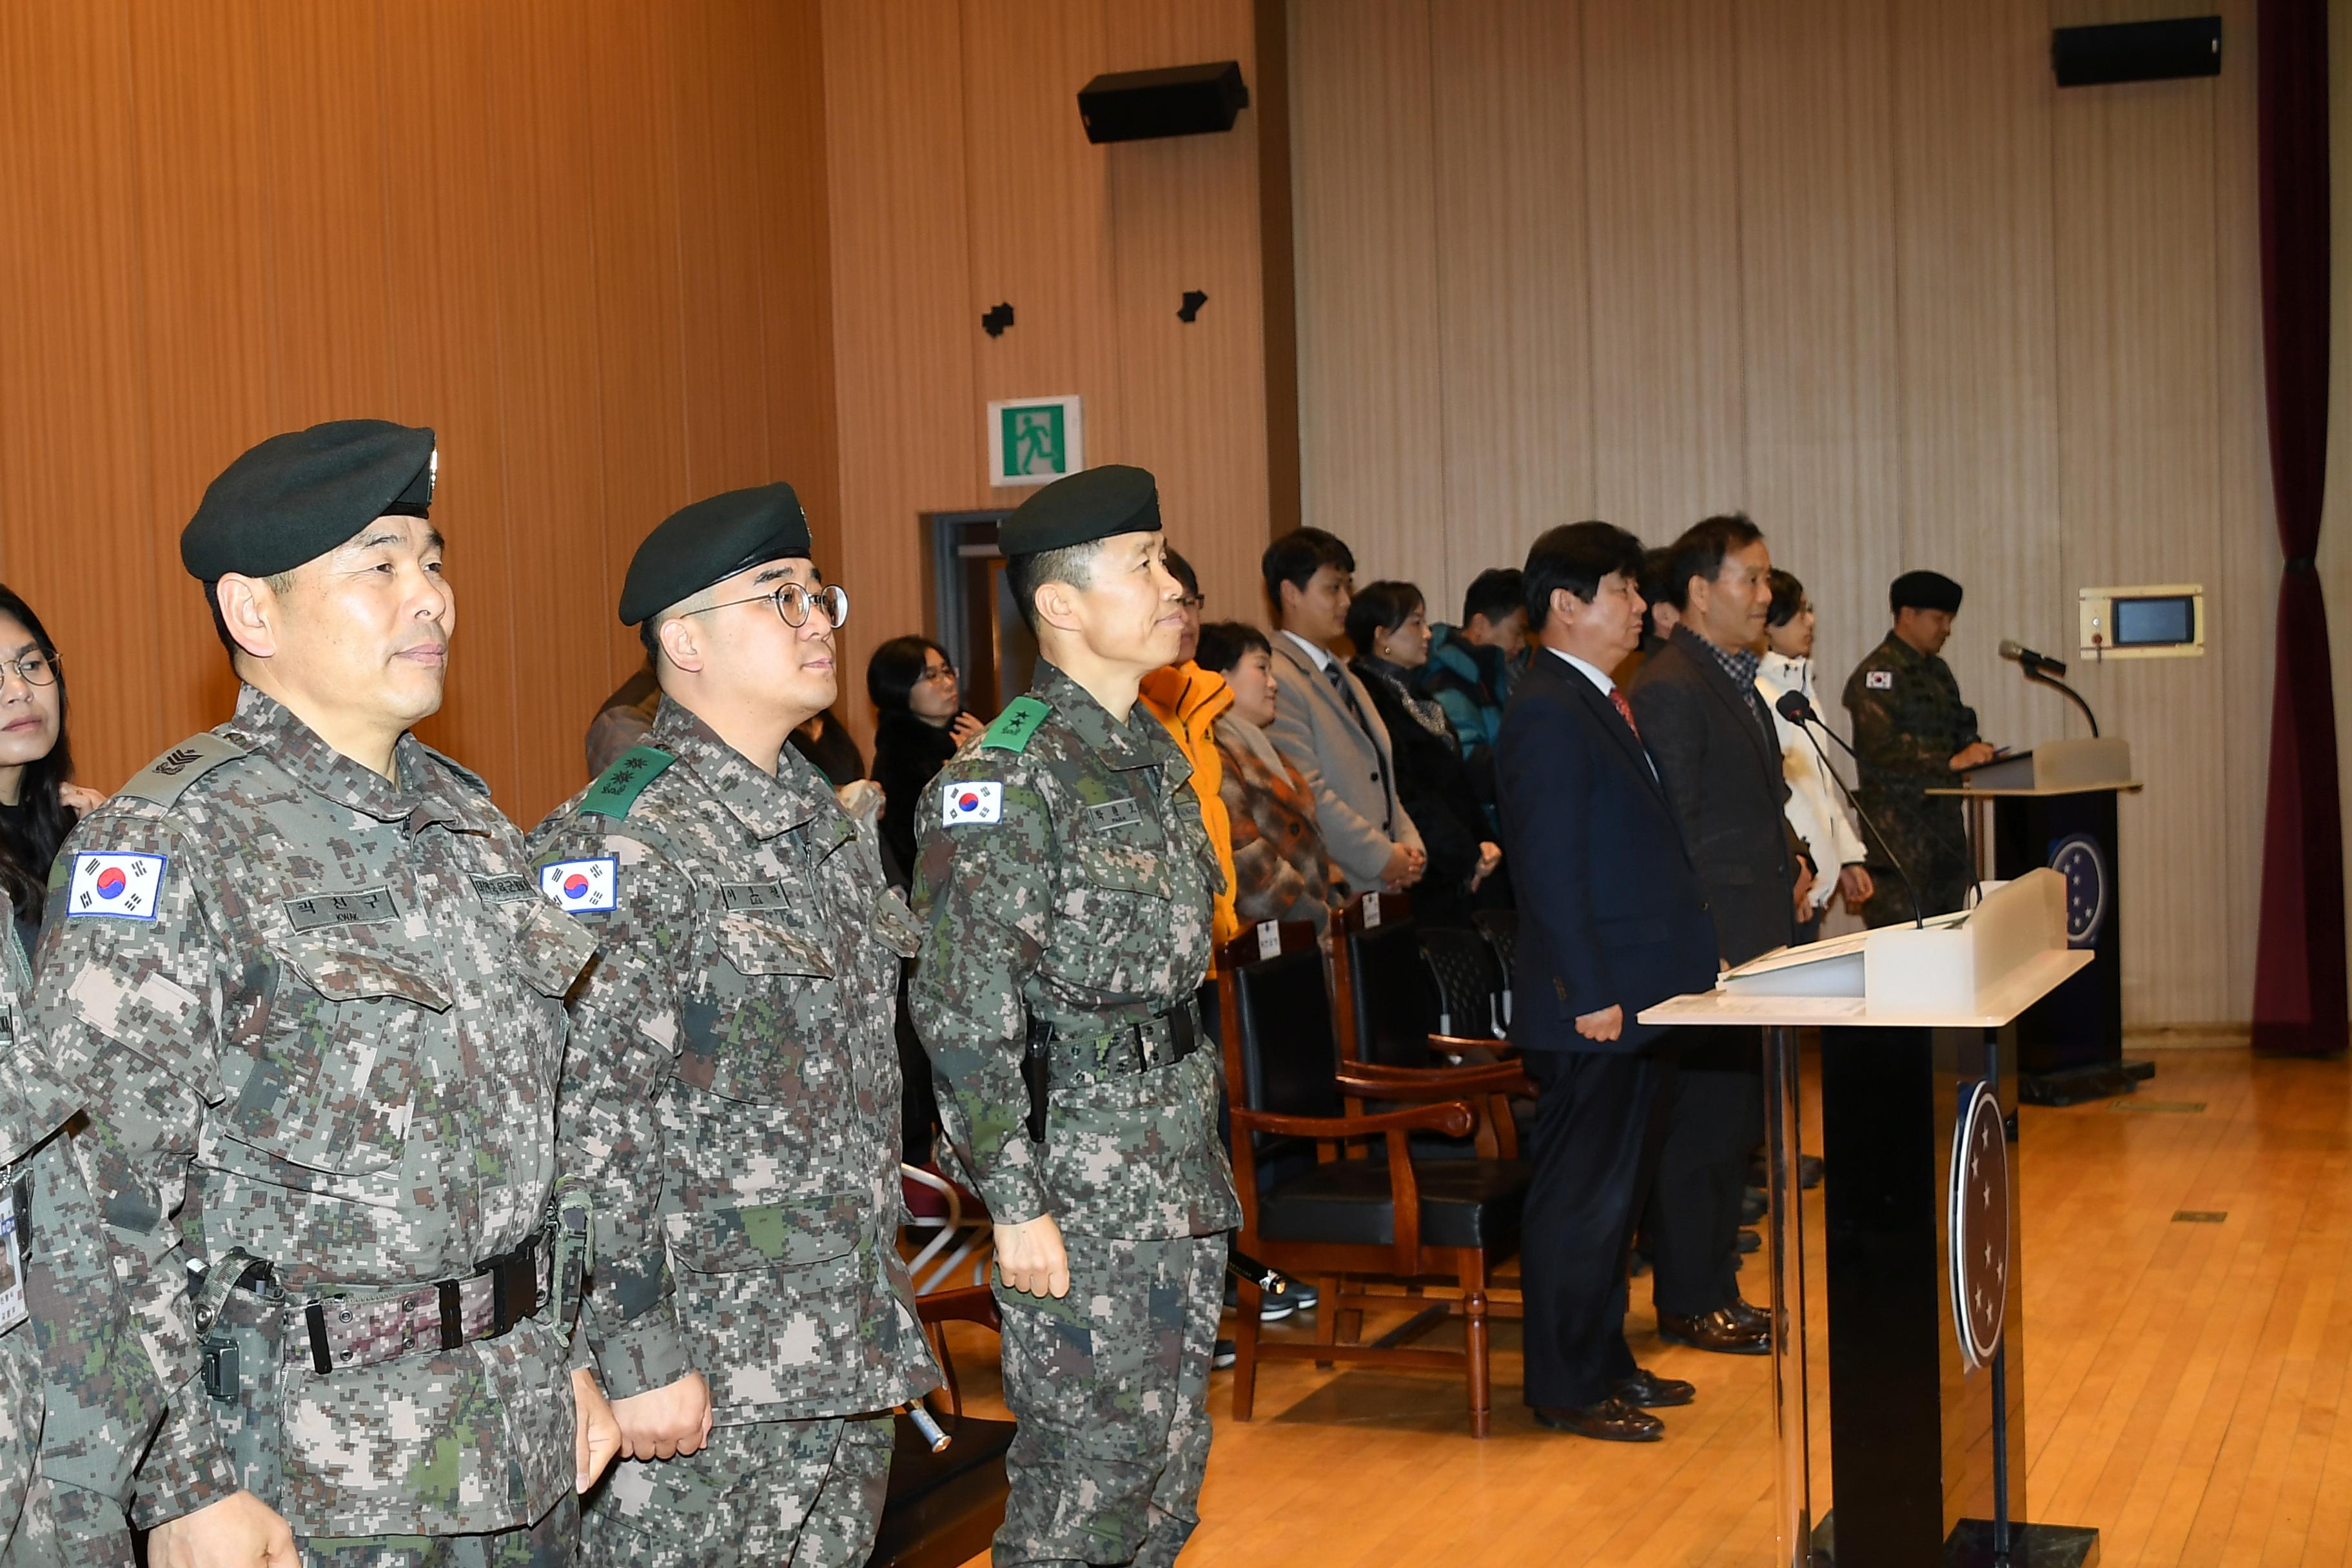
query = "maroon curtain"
{"x": 2299, "y": 967}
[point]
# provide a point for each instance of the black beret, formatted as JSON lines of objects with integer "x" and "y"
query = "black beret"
{"x": 1091, "y": 504}
{"x": 708, "y": 542}
{"x": 297, "y": 496}
{"x": 1925, "y": 591}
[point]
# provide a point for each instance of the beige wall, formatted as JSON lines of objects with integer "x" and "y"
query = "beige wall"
{"x": 1858, "y": 268}
{"x": 961, "y": 177}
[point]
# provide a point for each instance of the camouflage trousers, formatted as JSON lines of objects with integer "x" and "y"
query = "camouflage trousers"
{"x": 1110, "y": 1385}
{"x": 778, "y": 1494}
{"x": 553, "y": 1543}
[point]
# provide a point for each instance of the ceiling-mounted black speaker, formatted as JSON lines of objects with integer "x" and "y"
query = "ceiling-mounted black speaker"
{"x": 1178, "y": 100}
{"x": 2136, "y": 51}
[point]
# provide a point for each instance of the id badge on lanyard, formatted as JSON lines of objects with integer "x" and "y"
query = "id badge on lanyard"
{"x": 12, "y": 1310}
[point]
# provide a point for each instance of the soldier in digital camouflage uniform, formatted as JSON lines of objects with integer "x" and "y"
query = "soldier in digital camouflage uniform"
{"x": 1064, "y": 882}
{"x": 78, "y": 1398}
{"x": 303, "y": 969}
{"x": 1913, "y": 733}
{"x": 731, "y": 1097}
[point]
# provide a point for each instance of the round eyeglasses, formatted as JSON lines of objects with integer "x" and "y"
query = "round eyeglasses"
{"x": 794, "y": 603}
{"x": 34, "y": 669}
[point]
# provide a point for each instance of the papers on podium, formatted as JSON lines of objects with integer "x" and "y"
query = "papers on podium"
{"x": 1980, "y": 968}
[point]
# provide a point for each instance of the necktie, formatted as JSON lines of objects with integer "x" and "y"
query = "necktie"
{"x": 1624, "y": 710}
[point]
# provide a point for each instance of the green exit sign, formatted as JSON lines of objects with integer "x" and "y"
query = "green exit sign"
{"x": 1034, "y": 440}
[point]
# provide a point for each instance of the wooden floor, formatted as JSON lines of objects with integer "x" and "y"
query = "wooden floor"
{"x": 2185, "y": 1375}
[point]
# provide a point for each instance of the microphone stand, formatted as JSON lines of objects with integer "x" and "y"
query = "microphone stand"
{"x": 1805, "y": 719}
{"x": 2035, "y": 670}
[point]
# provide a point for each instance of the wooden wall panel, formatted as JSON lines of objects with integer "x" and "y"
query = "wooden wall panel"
{"x": 1514, "y": 289}
{"x": 1370, "y": 383}
{"x": 1183, "y": 214}
{"x": 1661, "y": 137}
{"x": 1860, "y": 268}
{"x": 238, "y": 216}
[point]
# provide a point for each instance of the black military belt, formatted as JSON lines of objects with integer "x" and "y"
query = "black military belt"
{"x": 347, "y": 1332}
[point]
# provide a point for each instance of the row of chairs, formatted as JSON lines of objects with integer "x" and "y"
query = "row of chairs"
{"x": 1372, "y": 1148}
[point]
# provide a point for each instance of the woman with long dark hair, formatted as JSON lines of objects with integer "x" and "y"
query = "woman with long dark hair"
{"x": 919, "y": 723}
{"x": 39, "y": 802}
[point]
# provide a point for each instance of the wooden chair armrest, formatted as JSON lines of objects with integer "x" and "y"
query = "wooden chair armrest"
{"x": 964, "y": 1304}
{"x": 1438, "y": 1042}
{"x": 1424, "y": 1083}
{"x": 1452, "y": 1118}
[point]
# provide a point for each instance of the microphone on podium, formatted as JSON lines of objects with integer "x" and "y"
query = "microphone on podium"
{"x": 2045, "y": 669}
{"x": 1793, "y": 707}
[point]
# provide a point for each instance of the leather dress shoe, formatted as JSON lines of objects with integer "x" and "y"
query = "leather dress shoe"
{"x": 1611, "y": 1421}
{"x": 1648, "y": 1390}
{"x": 1719, "y": 1332}
{"x": 1750, "y": 1241}
{"x": 1749, "y": 1314}
{"x": 1753, "y": 1204}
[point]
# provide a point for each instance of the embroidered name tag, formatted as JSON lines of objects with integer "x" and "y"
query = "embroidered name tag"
{"x": 369, "y": 907}
{"x": 124, "y": 886}
{"x": 740, "y": 896}
{"x": 509, "y": 887}
{"x": 1110, "y": 816}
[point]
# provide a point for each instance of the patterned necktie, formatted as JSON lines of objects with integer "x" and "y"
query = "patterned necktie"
{"x": 1624, "y": 710}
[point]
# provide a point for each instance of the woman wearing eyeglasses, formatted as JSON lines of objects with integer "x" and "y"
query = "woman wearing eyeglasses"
{"x": 920, "y": 724}
{"x": 37, "y": 805}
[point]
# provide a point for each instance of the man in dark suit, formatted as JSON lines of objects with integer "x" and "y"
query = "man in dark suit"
{"x": 1707, "y": 727}
{"x": 1614, "y": 922}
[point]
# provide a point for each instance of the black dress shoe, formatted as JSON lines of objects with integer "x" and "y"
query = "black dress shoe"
{"x": 1750, "y": 1315}
{"x": 1748, "y": 1242}
{"x": 1650, "y": 1392}
{"x": 1810, "y": 1170}
{"x": 1752, "y": 1204}
{"x": 1717, "y": 1331}
{"x": 1611, "y": 1421}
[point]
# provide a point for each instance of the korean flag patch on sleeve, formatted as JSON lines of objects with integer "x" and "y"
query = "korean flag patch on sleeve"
{"x": 124, "y": 886}
{"x": 966, "y": 804}
{"x": 1878, "y": 681}
{"x": 582, "y": 887}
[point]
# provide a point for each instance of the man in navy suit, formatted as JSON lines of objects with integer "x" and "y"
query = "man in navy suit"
{"x": 1612, "y": 921}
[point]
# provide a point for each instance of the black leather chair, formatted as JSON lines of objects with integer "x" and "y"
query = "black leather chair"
{"x": 1335, "y": 1196}
{"x": 1469, "y": 982}
{"x": 943, "y": 1509}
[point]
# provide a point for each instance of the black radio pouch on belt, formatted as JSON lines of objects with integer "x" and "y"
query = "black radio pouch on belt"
{"x": 1033, "y": 1075}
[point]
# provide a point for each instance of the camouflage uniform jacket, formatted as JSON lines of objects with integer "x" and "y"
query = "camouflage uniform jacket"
{"x": 731, "y": 1095}
{"x": 1908, "y": 724}
{"x": 1063, "y": 875}
{"x": 318, "y": 1016}
{"x": 78, "y": 1398}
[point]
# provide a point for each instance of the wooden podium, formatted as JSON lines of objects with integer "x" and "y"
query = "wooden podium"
{"x": 1918, "y": 1078}
{"x": 2055, "y": 806}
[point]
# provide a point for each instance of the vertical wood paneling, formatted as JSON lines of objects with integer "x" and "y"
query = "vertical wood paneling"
{"x": 1370, "y": 385}
{"x": 1513, "y": 290}
{"x": 1661, "y": 141}
{"x": 238, "y": 216}
{"x": 1182, "y": 214}
{"x": 1860, "y": 268}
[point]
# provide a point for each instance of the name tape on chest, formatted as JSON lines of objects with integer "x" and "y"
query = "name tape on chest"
{"x": 121, "y": 886}
{"x": 1878, "y": 681}
{"x": 582, "y": 887}
{"x": 503, "y": 888}
{"x": 1109, "y": 816}
{"x": 977, "y": 803}
{"x": 368, "y": 906}
{"x": 741, "y": 897}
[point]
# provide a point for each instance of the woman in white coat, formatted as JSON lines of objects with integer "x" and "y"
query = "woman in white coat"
{"x": 1813, "y": 808}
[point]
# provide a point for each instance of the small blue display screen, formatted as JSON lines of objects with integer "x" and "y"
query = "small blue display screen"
{"x": 2154, "y": 622}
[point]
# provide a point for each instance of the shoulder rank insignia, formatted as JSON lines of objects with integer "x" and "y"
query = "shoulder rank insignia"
{"x": 1017, "y": 725}
{"x": 618, "y": 788}
{"x": 165, "y": 779}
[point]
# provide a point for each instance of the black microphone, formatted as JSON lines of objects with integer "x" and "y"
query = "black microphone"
{"x": 2041, "y": 667}
{"x": 1793, "y": 707}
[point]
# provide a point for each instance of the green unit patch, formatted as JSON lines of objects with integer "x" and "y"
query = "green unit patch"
{"x": 1016, "y": 726}
{"x": 617, "y": 790}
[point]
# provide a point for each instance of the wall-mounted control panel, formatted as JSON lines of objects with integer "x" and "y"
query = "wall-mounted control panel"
{"x": 2166, "y": 620}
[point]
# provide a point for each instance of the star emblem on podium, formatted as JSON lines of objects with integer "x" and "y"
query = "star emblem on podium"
{"x": 2078, "y": 858}
{"x": 1980, "y": 1224}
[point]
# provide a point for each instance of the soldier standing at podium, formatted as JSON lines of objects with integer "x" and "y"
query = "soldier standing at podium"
{"x": 1912, "y": 733}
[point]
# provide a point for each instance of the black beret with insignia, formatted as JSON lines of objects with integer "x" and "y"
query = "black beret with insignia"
{"x": 709, "y": 541}
{"x": 1925, "y": 591}
{"x": 297, "y": 496}
{"x": 1091, "y": 504}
